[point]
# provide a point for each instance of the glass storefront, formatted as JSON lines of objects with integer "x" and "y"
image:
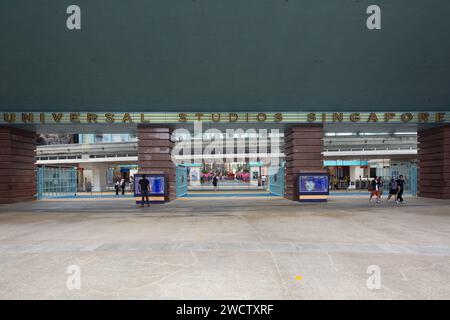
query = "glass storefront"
{"x": 106, "y": 138}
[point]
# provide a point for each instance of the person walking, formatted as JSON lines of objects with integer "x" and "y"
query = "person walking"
{"x": 401, "y": 185}
{"x": 88, "y": 186}
{"x": 373, "y": 188}
{"x": 144, "y": 186}
{"x": 393, "y": 189}
{"x": 117, "y": 186}
{"x": 132, "y": 184}
{"x": 214, "y": 182}
{"x": 122, "y": 185}
{"x": 263, "y": 180}
{"x": 380, "y": 183}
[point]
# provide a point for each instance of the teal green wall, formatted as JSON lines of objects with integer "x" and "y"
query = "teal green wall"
{"x": 224, "y": 55}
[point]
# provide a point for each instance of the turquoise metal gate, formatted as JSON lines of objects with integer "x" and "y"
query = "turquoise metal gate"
{"x": 413, "y": 176}
{"x": 56, "y": 182}
{"x": 276, "y": 181}
{"x": 181, "y": 186}
{"x": 409, "y": 172}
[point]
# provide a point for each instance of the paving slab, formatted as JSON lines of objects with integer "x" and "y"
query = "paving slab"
{"x": 243, "y": 248}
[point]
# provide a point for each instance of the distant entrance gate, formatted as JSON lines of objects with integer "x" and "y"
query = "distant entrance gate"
{"x": 276, "y": 181}
{"x": 56, "y": 182}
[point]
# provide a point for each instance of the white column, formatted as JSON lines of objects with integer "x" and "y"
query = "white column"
{"x": 355, "y": 172}
{"x": 99, "y": 176}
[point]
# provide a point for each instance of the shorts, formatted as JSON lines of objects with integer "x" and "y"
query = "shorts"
{"x": 393, "y": 191}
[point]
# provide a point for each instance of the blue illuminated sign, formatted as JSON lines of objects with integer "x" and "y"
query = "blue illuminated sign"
{"x": 157, "y": 185}
{"x": 313, "y": 184}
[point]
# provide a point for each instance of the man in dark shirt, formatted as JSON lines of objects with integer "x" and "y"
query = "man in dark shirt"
{"x": 373, "y": 188}
{"x": 400, "y": 185}
{"x": 145, "y": 188}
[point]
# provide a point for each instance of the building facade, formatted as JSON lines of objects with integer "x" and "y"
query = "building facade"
{"x": 149, "y": 68}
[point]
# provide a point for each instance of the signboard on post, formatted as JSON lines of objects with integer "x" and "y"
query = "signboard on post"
{"x": 313, "y": 187}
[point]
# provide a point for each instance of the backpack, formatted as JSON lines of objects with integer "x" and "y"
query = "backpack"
{"x": 393, "y": 184}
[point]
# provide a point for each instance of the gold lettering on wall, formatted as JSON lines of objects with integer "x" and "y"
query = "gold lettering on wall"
{"x": 423, "y": 116}
{"x": 91, "y": 118}
{"x": 261, "y": 117}
{"x": 292, "y": 117}
{"x": 406, "y": 117}
{"x": 215, "y": 117}
{"x": 355, "y": 117}
{"x": 439, "y": 117}
{"x": 389, "y": 116}
{"x": 75, "y": 117}
{"x": 338, "y": 117}
{"x": 182, "y": 117}
{"x": 372, "y": 117}
{"x": 27, "y": 117}
{"x": 311, "y": 117}
{"x": 126, "y": 118}
{"x": 143, "y": 120}
{"x": 57, "y": 116}
{"x": 109, "y": 117}
{"x": 9, "y": 117}
{"x": 278, "y": 117}
{"x": 233, "y": 117}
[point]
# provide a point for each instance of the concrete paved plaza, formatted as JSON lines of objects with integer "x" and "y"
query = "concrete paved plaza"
{"x": 230, "y": 248}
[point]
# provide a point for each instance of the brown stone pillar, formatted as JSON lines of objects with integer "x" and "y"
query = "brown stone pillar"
{"x": 17, "y": 165}
{"x": 434, "y": 162}
{"x": 154, "y": 154}
{"x": 303, "y": 149}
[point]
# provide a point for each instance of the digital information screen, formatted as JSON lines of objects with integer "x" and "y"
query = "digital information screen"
{"x": 313, "y": 187}
{"x": 157, "y": 186}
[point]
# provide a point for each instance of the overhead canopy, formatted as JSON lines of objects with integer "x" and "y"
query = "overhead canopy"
{"x": 224, "y": 55}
